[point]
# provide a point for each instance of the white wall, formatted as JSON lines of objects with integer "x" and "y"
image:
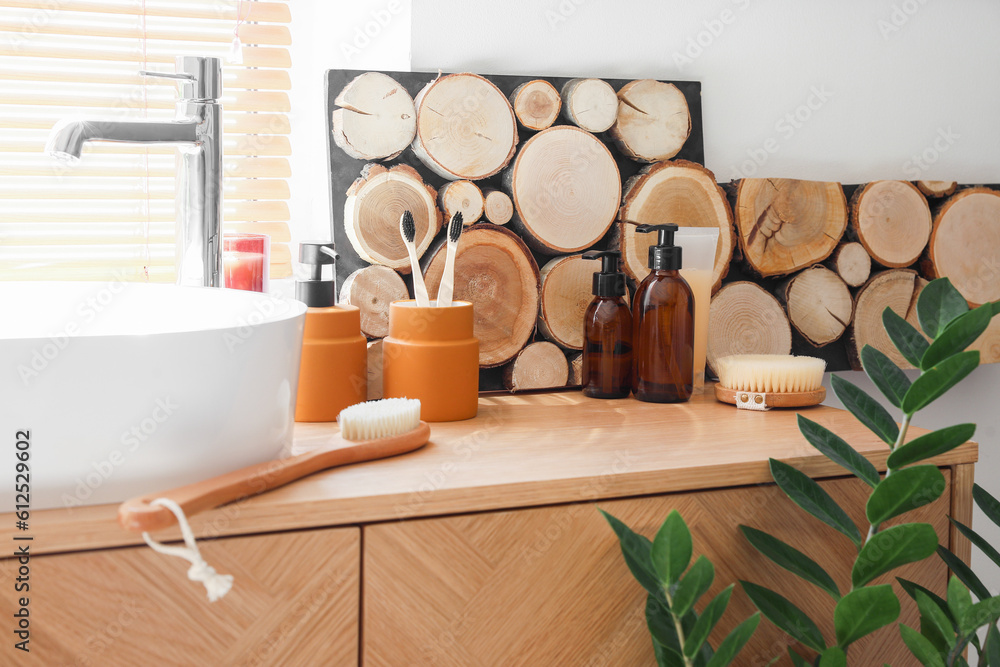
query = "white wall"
{"x": 896, "y": 76}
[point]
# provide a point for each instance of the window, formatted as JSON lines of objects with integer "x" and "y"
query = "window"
{"x": 112, "y": 214}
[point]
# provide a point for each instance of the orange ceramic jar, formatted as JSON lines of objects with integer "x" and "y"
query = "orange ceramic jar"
{"x": 334, "y": 370}
{"x": 431, "y": 354}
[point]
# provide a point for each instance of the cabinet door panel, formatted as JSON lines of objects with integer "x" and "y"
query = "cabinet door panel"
{"x": 548, "y": 586}
{"x": 294, "y": 602}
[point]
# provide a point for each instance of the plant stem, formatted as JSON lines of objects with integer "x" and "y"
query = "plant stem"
{"x": 900, "y": 439}
{"x": 688, "y": 662}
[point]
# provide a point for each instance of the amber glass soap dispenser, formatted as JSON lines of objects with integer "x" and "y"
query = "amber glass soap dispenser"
{"x": 663, "y": 325}
{"x": 333, "y": 373}
{"x": 607, "y": 332}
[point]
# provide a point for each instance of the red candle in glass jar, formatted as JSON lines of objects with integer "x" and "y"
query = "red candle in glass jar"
{"x": 246, "y": 261}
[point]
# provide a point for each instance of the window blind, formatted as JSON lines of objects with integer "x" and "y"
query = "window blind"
{"x": 112, "y": 214}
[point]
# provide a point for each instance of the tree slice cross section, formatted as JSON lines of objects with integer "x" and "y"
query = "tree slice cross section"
{"x": 376, "y": 119}
{"x": 745, "y": 319}
{"x": 496, "y": 273}
{"x": 681, "y": 192}
{"x": 565, "y": 186}
{"x": 498, "y": 208}
{"x": 897, "y": 289}
{"x": 567, "y": 286}
{"x": 892, "y": 220}
{"x": 785, "y": 224}
{"x": 653, "y": 120}
{"x": 819, "y": 305}
{"x": 463, "y": 197}
{"x": 937, "y": 188}
{"x": 590, "y": 104}
{"x": 465, "y": 127}
{"x": 538, "y": 366}
{"x": 374, "y": 205}
{"x": 536, "y": 104}
{"x": 372, "y": 288}
{"x": 851, "y": 262}
{"x": 965, "y": 244}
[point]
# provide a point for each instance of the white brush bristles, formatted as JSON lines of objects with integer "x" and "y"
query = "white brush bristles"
{"x": 771, "y": 373}
{"x": 379, "y": 419}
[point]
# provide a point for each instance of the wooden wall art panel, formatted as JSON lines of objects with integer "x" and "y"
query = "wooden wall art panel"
{"x": 543, "y": 168}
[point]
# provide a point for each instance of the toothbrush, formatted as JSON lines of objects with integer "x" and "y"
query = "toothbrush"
{"x": 368, "y": 431}
{"x": 408, "y": 230}
{"x": 448, "y": 279}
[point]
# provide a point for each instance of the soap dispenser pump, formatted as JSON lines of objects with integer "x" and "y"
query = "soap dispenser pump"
{"x": 333, "y": 373}
{"x": 607, "y": 332}
{"x": 663, "y": 325}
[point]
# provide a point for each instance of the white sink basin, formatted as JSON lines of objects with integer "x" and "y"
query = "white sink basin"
{"x": 130, "y": 388}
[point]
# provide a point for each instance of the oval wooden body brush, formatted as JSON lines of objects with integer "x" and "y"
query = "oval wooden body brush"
{"x": 764, "y": 381}
{"x": 368, "y": 431}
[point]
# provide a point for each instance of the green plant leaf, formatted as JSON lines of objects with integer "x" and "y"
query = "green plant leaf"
{"x": 991, "y": 649}
{"x": 904, "y": 490}
{"x": 710, "y": 615}
{"x": 734, "y": 642}
{"x": 959, "y": 335}
{"x": 980, "y": 614}
{"x": 911, "y": 589}
{"x": 863, "y": 611}
{"x": 920, "y": 647}
{"x": 959, "y": 598}
{"x": 780, "y": 611}
{"x": 962, "y": 571}
{"x": 886, "y": 375}
{"x": 661, "y": 627}
{"x": 988, "y": 549}
{"x": 671, "y": 551}
{"x": 931, "y": 444}
{"x": 988, "y": 504}
{"x": 866, "y": 409}
{"x": 636, "y": 549}
{"x": 934, "y": 382}
{"x": 810, "y": 496}
{"x": 665, "y": 656}
{"x": 938, "y": 304}
{"x": 797, "y": 660}
{"x": 837, "y": 450}
{"x": 904, "y": 336}
{"x": 934, "y": 623}
{"x": 833, "y": 657}
{"x": 791, "y": 559}
{"x": 894, "y": 546}
{"x": 694, "y": 584}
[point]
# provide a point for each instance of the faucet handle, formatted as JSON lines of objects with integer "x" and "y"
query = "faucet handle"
{"x": 201, "y": 77}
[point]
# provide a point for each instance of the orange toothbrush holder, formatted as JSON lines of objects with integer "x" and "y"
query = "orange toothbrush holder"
{"x": 431, "y": 354}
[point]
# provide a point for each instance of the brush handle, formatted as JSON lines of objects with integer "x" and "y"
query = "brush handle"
{"x": 447, "y": 288}
{"x": 419, "y": 288}
{"x": 138, "y": 515}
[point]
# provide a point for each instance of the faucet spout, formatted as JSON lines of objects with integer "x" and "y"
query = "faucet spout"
{"x": 68, "y": 136}
{"x": 198, "y": 123}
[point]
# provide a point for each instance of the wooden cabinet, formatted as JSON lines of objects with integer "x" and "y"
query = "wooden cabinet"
{"x": 548, "y": 586}
{"x": 483, "y": 548}
{"x": 295, "y": 602}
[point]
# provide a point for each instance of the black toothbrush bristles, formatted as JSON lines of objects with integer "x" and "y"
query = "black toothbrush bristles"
{"x": 455, "y": 227}
{"x": 407, "y": 227}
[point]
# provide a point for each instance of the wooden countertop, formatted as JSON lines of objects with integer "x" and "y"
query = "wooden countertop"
{"x": 522, "y": 450}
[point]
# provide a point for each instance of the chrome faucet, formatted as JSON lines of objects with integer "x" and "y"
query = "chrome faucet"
{"x": 198, "y": 129}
